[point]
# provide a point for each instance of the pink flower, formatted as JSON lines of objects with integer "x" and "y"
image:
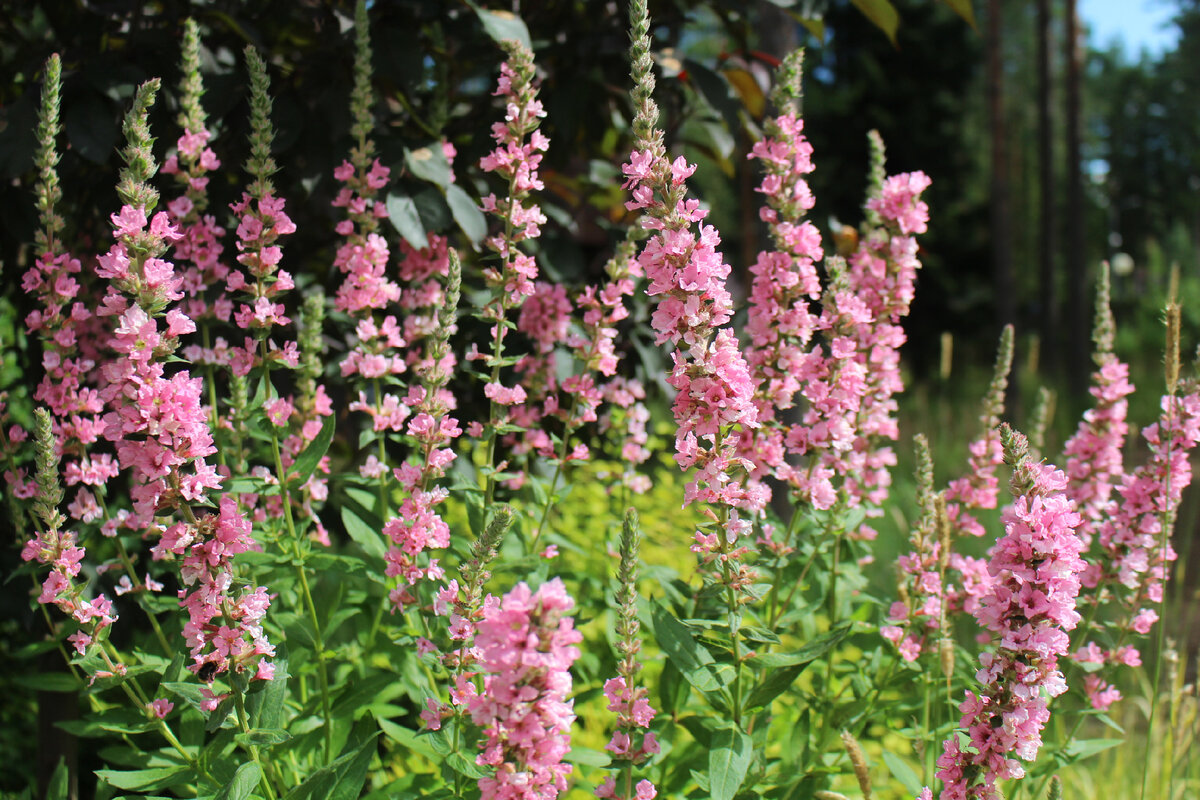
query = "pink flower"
{"x": 504, "y": 395}
{"x": 279, "y": 410}
{"x": 160, "y": 707}
{"x": 1028, "y": 608}
{"x": 899, "y": 202}
{"x": 526, "y": 644}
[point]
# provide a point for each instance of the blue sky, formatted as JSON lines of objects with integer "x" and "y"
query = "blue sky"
{"x": 1137, "y": 24}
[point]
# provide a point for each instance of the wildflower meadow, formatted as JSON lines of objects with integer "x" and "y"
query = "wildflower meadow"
{"x": 434, "y": 520}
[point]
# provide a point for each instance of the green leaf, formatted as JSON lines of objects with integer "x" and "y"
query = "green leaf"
{"x": 341, "y": 780}
{"x": 48, "y": 682}
{"x": 241, "y": 784}
{"x": 188, "y": 692}
{"x": 217, "y": 717}
{"x": 812, "y": 650}
{"x": 465, "y": 212}
{"x": 902, "y": 772}
{"x": 144, "y": 779}
{"x": 1080, "y": 749}
{"x": 337, "y": 618}
{"x": 244, "y": 485}
{"x": 466, "y": 766}
{"x": 59, "y": 781}
{"x": 431, "y": 205}
{"x": 262, "y": 737}
{"x": 429, "y": 164}
{"x": 503, "y": 25}
{"x": 306, "y": 463}
{"x": 729, "y": 758}
{"x": 964, "y": 9}
{"x": 266, "y": 707}
{"x": 402, "y": 213}
{"x": 588, "y": 757}
{"x": 117, "y": 720}
{"x": 693, "y": 662}
{"x": 346, "y": 565}
{"x": 882, "y": 15}
{"x": 774, "y": 684}
{"x": 1110, "y": 722}
{"x": 368, "y": 537}
{"x": 476, "y": 516}
{"x": 814, "y": 25}
{"x": 715, "y": 90}
{"x": 379, "y": 687}
{"x": 111, "y": 681}
{"x": 409, "y": 740}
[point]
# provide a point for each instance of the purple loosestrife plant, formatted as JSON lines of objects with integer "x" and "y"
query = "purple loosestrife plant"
{"x": 418, "y": 525}
{"x": 160, "y": 429}
{"x": 1028, "y": 609}
{"x": 686, "y": 273}
{"x": 516, "y": 158}
{"x": 632, "y": 744}
{"x": 526, "y": 643}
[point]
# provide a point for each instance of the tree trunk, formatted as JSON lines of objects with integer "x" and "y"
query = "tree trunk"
{"x": 1001, "y": 220}
{"x": 1077, "y": 305}
{"x": 1047, "y": 223}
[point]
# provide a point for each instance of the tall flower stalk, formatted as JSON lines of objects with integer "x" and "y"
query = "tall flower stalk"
{"x": 526, "y": 642}
{"x": 1029, "y": 609}
{"x": 714, "y": 401}
{"x": 516, "y": 158}
{"x": 631, "y": 744}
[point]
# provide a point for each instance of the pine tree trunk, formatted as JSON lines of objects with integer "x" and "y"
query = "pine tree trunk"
{"x": 1001, "y": 219}
{"x": 1077, "y": 305}
{"x": 1048, "y": 220}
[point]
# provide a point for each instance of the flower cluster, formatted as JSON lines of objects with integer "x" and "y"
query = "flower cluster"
{"x": 198, "y": 251}
{"x": 58, "y": 548}
{"x": 978, "y": 488}
{"x": 418, "y": 526}
{"x": 921, "y": 607}
{"x": 516, "y": 158}
{"x": 1028, "y": 609}
{"x": 1094, "y": 462}
{"x": 882, "y": 274}
{"x": 222, "y": 631}
{"x": 261, "y": 222}
{"x": 157, "y": 424}
{"x": 160, "y": 428}
{"x": 714, "y": 390}
{"x": 1130, "y": 556}
{"x": 780, "y": 321}
{"x": 526, "y": 643}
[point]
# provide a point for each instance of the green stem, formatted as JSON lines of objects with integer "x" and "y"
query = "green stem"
{"x": 294, "y": 544}
{"x": 381, "y": 441}
{"x": 239, "y": 703}
{"x": 138, "y": 585}
{"x": 558, "y": 469}
{"x": 773, "y": 597}
{"x": 1165, "y": 524}
{"x": 498, "y": 353}
{"x": 930, "y": 741}
{"x": 134, "y": 693}
{"x": 732, "y": 601}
